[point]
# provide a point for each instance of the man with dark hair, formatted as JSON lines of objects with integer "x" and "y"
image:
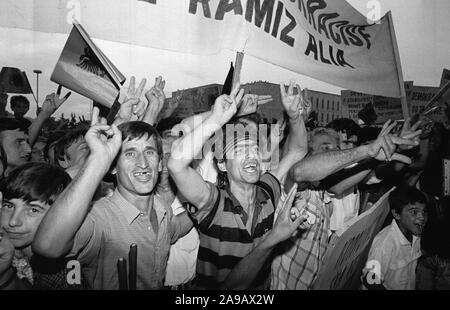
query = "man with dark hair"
{"x": 392, "y": 259}
{"x": 14, "y": 147}
{"x": 28, "y": 193}
{"x": 17, "y": 137}
{"x": 100, "y": 235}
{"x": 71, "y": 151}
{"x": 235, "y": 220}
{"x": 348, "y": 132}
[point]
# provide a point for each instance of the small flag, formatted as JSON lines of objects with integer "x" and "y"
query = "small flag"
{"x": 12, "y": 80}
{"x": 83, "y": 68}
{"x": 228, "y": 84}
{"x": 368, "y": 114}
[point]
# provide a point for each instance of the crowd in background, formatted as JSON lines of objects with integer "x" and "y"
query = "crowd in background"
{"x": 255, "y": 211}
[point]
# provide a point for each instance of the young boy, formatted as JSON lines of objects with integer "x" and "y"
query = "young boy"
{"x": 392, "y": 259}
{"x": 28, "y": 193}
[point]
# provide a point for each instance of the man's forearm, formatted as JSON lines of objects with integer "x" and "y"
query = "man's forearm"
{"x": 318, "y": 166}
{"x": 58, "y": 228}
{"x": 297, "y": 139}
{"x": 192, "y": 144}
{"x": 36, "y": 126}
{"x": 245, "y": 272}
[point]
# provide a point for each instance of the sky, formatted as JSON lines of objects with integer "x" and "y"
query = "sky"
{"x": 421, "y": 28}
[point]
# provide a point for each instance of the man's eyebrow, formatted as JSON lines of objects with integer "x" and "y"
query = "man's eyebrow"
{"x": 150, "y": 148}
{"x": 34, "y": 205}
{"x": 131, "y": 148}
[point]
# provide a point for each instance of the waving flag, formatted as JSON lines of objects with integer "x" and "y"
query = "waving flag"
{"x": 83, "y": 68}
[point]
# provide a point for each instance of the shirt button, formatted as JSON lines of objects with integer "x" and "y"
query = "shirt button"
{"x": 149, "y": 227}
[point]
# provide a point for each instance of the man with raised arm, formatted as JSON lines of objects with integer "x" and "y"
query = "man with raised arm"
{"x": 298, "y": 260}
{"x": 234, "y": 220}
{"x": 100, "y": 235}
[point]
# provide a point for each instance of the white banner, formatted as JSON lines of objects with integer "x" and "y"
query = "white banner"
{"x": 346, "y": 254}
{"x": 325, "y": 39}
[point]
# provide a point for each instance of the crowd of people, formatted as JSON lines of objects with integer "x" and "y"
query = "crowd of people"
{"x": 216, "y": 200}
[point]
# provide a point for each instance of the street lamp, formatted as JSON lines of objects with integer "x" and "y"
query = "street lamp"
{"x": 37, "y": 71}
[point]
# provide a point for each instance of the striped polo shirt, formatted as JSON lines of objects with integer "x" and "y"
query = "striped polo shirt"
{"x": 224, "y": 239}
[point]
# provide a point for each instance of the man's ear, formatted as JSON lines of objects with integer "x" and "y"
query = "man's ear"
{"x": 221, "y": 165}
{"x": 395, "y": 214}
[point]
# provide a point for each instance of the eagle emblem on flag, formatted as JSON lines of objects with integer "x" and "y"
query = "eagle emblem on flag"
{"x": 89, "y": 62}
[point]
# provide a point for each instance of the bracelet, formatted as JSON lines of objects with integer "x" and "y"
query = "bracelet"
{"x": 10, "y": 280}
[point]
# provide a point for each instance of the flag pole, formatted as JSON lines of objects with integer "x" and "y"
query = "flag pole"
{"x": 398, "y": 67}
{"x": 237, "y": 69}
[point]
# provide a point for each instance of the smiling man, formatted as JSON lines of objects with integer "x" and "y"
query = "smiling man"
{"x": 133, "y": 214}
{"x": 233, "y": 220}
{"x": 71, "y": 151}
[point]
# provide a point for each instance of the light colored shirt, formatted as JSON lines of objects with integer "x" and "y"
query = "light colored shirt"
{"x": 182, "y": 263}
{"x": 299, "y": 258}
{"x": 394, "y": 258}
{"x": 345, "y": 208}
{"x": 109, "y": 229}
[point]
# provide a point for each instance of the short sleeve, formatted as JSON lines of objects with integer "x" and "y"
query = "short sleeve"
{"x": 377, "y": 263}
{"x": 88, "y": 239}
{"x": 211, "y": 204}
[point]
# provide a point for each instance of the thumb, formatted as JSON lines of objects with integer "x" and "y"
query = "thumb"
{"x": 298, "y": 221}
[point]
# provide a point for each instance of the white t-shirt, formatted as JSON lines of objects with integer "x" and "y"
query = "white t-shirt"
{"x": 345, "y": 208}
{"x": 182, "y": 262}
{"x": 393, "y": 259}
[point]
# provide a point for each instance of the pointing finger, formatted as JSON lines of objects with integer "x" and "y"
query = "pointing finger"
{"x": 140, "y": 89}
{"x": 131, "y": 86}
{"x": 94, "y": 116}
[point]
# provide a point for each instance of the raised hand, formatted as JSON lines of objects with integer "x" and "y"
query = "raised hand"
{"x": 384, "y": 147}
{"x": 155, "y": 97}
{"x": 104, "y": 141}
{"x": 295, "y": 105}
{"x": 53, "y": 101}
{"x": 225, "y": 106}
{"x": 250, "y": 103}
{"x": 130, "y": 101}
{"x": 410, "y": 132}
{"x": 286, "y": 225}
{"x": 173, "y": 105}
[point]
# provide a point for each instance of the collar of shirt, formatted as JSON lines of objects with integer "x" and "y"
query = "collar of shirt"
{"x": 131, "y": 212}
{"x": 400, "y": 238}
{"x": 260, "y": 199}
